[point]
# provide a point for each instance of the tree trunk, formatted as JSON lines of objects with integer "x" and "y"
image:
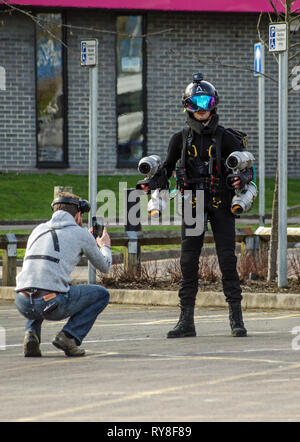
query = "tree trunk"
{"x": 272, "y": 259}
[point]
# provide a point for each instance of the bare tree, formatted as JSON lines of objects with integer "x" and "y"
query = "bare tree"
{"x": 291, "y": 17}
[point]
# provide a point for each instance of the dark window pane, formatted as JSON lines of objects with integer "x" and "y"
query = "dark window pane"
{"x": 129, "y": 90}
{"x": 49, "y": 74}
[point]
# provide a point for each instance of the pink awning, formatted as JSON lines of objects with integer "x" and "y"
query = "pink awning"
{"x": 167, "y": 5}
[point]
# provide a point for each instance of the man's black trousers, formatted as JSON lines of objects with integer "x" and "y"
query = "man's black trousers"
{"x": 223, "y": 227}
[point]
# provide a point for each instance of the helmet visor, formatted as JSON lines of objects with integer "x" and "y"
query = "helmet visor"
{"x": 200, "y": 102}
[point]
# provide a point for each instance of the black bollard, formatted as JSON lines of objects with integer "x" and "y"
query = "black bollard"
{"x": 132, "y": 253}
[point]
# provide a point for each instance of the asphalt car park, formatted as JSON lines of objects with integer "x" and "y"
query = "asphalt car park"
{"x": 132, "y": 373}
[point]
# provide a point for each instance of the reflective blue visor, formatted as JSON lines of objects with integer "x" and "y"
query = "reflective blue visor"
{"x": 200, "y": 102}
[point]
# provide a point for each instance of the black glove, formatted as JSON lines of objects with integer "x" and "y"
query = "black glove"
{"x": 157, "y": 181}
{"x": 245, "y": 177}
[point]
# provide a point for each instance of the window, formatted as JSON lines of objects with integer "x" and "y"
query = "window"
{"x": 130, "y": 91}
{"x": 50, "y": 92}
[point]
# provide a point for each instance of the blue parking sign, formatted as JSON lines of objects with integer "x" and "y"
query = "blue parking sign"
{"x": 272, "y": 31}
{"x": 83, "y": 52}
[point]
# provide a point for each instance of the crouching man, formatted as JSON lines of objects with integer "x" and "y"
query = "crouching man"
{"x": 43, "y": 292}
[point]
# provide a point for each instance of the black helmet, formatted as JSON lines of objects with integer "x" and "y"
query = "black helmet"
{"x": 200, "y": 95}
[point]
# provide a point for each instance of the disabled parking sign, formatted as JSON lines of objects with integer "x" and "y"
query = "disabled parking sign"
{"x": 89, "y": 52}
{"x": 277, "y": 37}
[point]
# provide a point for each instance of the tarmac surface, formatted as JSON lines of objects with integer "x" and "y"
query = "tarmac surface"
{"x": 132, "y": 373}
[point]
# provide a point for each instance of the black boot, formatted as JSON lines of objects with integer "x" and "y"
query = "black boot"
{"x": 185, "y": 327}
{"x": 236, "y": 320}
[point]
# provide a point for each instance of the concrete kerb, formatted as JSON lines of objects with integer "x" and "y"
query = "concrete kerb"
{"x": 206, "y": 299}
{"x": 280, "y": 301}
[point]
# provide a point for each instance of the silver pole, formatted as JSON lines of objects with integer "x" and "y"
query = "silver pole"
{"x": 282, "y": 189}
{"x": 261, "y": 138}
{"x": 93, "y": 79}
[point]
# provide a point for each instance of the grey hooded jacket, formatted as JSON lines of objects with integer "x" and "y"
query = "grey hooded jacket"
{"x": 53, "y": 250}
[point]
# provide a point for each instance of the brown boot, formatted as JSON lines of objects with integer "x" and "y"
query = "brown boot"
{"x": 31, "y": 345}
{"x": 68, "y": 345}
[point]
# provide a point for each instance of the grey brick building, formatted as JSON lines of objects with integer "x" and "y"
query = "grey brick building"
{"x": 175, "y": 44}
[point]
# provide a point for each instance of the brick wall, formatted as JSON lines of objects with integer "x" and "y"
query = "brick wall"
{"x": 17, "y": 103}
{"x": 78, "y": 92}
{"x": 206, "y": 42}
{"x": 198, "y": 42}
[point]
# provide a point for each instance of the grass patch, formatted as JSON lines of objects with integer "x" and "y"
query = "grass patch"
{"x": 28, "y": 196}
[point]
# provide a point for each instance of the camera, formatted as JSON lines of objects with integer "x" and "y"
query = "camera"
{"x": 97, "y": 226}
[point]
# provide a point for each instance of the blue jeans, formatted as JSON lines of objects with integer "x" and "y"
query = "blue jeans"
{"x": 82, "y": 304}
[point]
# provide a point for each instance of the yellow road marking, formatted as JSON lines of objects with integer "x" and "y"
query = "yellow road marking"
{"x": 150, "y": 393}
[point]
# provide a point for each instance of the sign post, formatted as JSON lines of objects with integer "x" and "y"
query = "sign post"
{"x": 259, "y": 62}
{"x": 278, "y": 42}
{"x": 89, "y": 58}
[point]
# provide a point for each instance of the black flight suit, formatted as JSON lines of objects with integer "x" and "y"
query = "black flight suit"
{"x": 219, "y": 214}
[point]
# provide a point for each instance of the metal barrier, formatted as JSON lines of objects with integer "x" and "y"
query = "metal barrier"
{"x": 130, "y": 240}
